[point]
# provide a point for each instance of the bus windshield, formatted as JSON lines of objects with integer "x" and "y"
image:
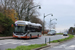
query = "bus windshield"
{"x": 19, "y": 29}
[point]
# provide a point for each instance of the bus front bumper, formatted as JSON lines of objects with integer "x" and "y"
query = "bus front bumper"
{"x": 20, "y": 36}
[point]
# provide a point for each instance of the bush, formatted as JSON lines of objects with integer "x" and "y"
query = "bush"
{"x": 5, "y": 24}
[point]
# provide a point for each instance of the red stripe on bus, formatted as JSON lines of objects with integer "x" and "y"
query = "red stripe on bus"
{"x": 39, "y": 35}
{"x": 35, "y": 36}
{"x": 26, "y": 36}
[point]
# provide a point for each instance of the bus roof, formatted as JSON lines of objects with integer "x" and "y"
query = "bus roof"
{"x": 27, "y": 23}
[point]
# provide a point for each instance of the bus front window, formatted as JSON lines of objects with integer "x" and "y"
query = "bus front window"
{"x": 19, "y": 29}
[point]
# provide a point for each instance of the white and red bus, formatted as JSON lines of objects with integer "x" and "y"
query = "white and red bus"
{"x": 25, "y": 29}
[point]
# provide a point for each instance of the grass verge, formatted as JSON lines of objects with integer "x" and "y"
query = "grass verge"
{"x": 61, "y": 40}
{"x": 28, "y": 47}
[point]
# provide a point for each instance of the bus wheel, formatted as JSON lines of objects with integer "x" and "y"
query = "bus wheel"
{"x": 30, "y": 36}
{"x": 38, "y": 35}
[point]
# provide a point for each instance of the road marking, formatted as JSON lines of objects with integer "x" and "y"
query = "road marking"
{"x": 10, "y": 43}
{"x": 20, "y": 43}
{"x": 14, "y": 43}
{"x": 61, "y": 46}
{"x": 25, "y": 43}
{"x": 65, "y": 46}
{"x": 70, "y": 47}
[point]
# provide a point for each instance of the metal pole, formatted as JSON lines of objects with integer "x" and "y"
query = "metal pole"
{"x": 49, "y": 40}
{"x": 28, "y": 17}
{"x": 43, "y": 23}
{"x": 45, "y": 40}
{"x": 50, "y": 24}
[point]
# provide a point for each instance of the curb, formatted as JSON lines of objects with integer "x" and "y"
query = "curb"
{"x": 6, "y": 38}
{"x": 41, "y": 47}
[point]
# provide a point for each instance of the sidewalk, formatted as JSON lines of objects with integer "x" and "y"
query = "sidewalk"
{"x": 8, "y": 37}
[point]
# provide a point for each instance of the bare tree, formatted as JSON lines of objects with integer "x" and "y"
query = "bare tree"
{"x": 22, "y": 7}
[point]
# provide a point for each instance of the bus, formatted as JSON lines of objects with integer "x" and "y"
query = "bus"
{"x": 26, "y": 29}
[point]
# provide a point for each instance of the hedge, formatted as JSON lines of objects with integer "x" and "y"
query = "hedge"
{"x": 6, "y": 23}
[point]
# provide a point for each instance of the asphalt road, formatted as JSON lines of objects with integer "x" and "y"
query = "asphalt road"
{"x": 69, "y": 45}
{"x": 12, "y": 43}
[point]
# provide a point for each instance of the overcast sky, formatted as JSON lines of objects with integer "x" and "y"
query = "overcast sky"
{"x": 63, "y": 10}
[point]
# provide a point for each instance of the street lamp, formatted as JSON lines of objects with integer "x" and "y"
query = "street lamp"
{"x": 44, "y": 20}
{"x": 51, "y": 21}
{"x": 28, "y": 18}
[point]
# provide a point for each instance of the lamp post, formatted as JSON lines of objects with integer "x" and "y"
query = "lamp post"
{"x": 51, "y": 21}
{"x": 27, "y": 17}
{"x": 44, "y": 20}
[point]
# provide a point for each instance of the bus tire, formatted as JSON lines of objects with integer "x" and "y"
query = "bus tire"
{"x": 30, "y": 36}
{"x": 38, "y": 35}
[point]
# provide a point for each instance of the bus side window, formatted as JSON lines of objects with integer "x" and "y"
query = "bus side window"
{"x": 40, "y": 29}
{"x": 32, "y": 29}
